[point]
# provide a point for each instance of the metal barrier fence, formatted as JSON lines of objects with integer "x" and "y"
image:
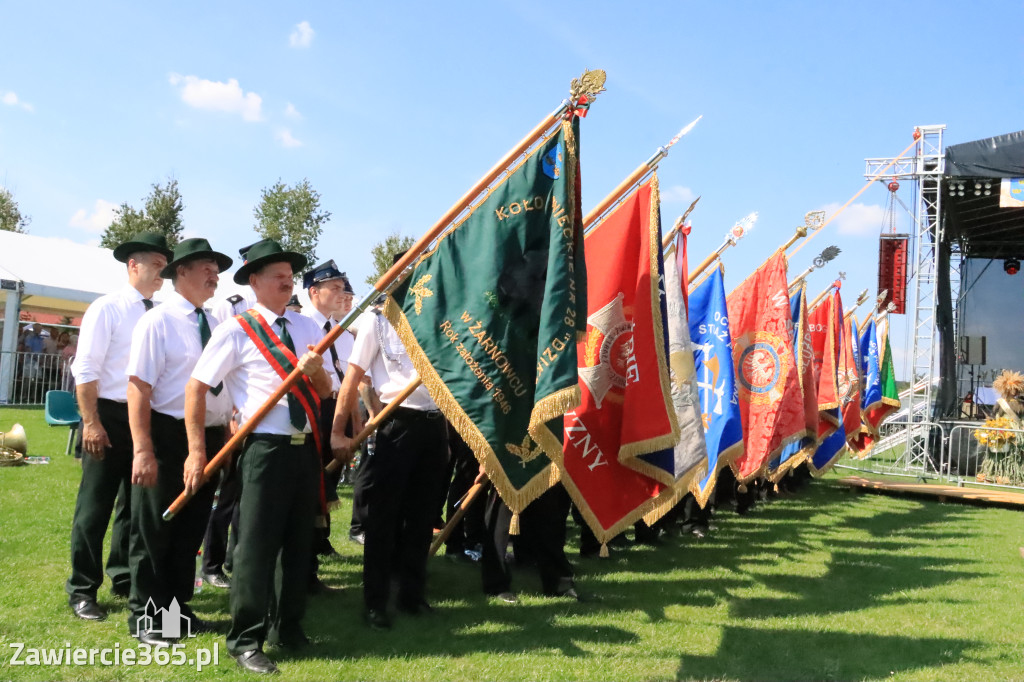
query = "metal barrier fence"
{"x": 26, "y": 377}
{"x": 970, "y": 454}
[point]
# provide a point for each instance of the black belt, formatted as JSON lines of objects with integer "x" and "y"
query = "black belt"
{"x": 278, "y": 439}
{"x": 411, "y": 413}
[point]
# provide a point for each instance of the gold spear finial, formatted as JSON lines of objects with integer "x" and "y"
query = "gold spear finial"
{"x": 591, "y": 84}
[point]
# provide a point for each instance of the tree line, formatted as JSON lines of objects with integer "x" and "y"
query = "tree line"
{"x": 290, "y": 215}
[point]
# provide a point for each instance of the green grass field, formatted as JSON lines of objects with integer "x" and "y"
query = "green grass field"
{"x": 831, "y": 584}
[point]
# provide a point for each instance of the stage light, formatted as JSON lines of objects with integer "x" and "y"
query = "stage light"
{"x": 988, "y": 185}
{"x": 977, "y": 192}
{"x": 1011, "y": 266}
{"x": 987, "y": 192}
{"x": 977, "y": 185}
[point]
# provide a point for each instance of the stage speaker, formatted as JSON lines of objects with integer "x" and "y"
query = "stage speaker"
{"x": 972, "y": 350}
{"x": 892, "y": 270}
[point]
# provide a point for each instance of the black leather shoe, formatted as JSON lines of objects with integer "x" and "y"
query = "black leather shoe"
{"x": 317, "y": 586}
{"x": 217, "y": 580}
{"x": 256, "y": 661}
{"x": 358, "y": 538}
{"x": 151, "y": 638}
{"x": 88, "y": 609}
{"x": 377, "y": 619}
{"x": 295, "y": 641}
{"x": 121, "y": 590}
{"x": 418, "y": 608}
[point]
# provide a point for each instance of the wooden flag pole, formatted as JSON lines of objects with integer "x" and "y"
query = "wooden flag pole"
{"x": 589, "y": 85}
{"x": 680, "y": 221}
{"x": 860, "y": 300}
{"x": 737, "y": 233}
{"x": 863, "y": 189}
{"x": 823, "y": 294}
{"x": 462, "y": 505}
{"x": 634, "y": 179}
{"x": 372, "y": 425}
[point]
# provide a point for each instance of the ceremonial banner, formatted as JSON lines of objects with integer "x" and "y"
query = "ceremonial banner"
{"x": 849, "y": 382}
{"x": 769, "y": 387}
{"x": 618, "y": 464}
{"x": 716, "y": 382}
{"x": 491, "y": 314}
{"x": 826, "y": 327}
{"x": 794, "y": 454}
{"x": 871, "y": 380}
{"x": 888, "y": 397}
{"x": 683, "y": 264}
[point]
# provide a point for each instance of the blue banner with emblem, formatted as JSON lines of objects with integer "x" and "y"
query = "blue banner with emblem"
{"x": 716, "y": 381}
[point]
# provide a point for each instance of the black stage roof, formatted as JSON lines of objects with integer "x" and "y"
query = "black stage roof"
{"x": 983, "y": 229}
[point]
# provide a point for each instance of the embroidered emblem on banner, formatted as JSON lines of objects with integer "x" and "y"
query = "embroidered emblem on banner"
{"x": 420, "y": 291}
{"x": 615, "y": 363}
{"x": 525, "y": 451}
{"x": 763, "y": 365}
{"x": 848, "y": 380}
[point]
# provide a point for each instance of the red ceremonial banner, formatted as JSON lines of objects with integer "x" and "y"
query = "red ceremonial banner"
{"x": 848, "y": 378}
{"x": 626, "y": 409}
{"x": 823, "y": 326}
{"x": 771, "y": 405}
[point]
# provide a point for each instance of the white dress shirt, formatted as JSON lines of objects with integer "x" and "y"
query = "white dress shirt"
{"x": 231, "y": 357}
{"x": 165, "y": 348}
{"x": 379, "y": 352}
{"x": 105, "y": 340}
{"x": 342, "y": 346}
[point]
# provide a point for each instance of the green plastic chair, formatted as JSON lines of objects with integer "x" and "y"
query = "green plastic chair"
{"x": 62, "y": 410}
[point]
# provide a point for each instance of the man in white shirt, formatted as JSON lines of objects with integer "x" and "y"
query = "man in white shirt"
{"x": 218, "y": 546}
{"x": 331, "y": 297}
{"x": 251, "y": 354}
{"x": 102, "y": 390}
{"x": 166, "y": 345}
{"x": 402, "y": 479}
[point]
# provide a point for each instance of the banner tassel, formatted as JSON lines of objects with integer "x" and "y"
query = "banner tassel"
{"x": 604, "y": 551}
{"x": 513, "y": 526}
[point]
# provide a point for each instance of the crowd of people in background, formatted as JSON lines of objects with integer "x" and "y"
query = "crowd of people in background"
{"x": 43, "y": 361}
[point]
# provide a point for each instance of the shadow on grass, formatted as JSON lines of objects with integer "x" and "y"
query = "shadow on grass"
{"x": 767, "y": 654}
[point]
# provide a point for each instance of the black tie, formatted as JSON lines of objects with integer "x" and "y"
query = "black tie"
{"x": 204, "y": 338}
{"x": 148, "y": 303}
{"x": 334, "y": 353}
{"x": 295, "y": 411}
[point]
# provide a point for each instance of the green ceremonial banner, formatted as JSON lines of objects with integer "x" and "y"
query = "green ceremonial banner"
{"x": 491, "y": 315}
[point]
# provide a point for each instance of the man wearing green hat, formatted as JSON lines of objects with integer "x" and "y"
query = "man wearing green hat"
{"x": 251, "y": 354}
{"x": 102, "y": 389}
{"x": 166, "y": 345}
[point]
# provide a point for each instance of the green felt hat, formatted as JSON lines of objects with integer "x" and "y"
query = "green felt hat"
{"x": 191, "y": 249}
{"x": 143, "y": 241}
{"x": 264, "y": 253}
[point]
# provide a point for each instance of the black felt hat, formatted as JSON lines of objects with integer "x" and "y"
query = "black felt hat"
{"x": 143, "y": 241}
{"x": 264, "y": 253}
{"x": 190, "y": 249}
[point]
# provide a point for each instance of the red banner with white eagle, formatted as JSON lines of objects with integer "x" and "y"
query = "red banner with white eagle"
{"x": 771, "y": 402}
{"x": 617, "y": 441}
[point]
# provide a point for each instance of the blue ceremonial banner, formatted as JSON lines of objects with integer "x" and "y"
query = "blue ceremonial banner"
{"x": 716, "y": 381}
{"x": 870, "y": 367}
{"x": 830, "y": 448}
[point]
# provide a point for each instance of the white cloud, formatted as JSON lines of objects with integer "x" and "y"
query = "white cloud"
{"x": 287, "y": 140}
{"x": 97, "y": 221}
{"x": 217, "y": 96}
{"x": 677, "y": 194}
{"x": 10, "y": 98}
{"x": 857, "y": 219}
{"x": 302, "y": 36}
{"x": 291, "y": 112}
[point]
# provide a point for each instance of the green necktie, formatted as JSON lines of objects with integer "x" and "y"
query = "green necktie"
{"x": 204, "y": 338}
{"x": 295, "y": 411}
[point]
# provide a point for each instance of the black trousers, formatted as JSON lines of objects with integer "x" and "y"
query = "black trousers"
{"x": 279, "y": 501}
{"x": 163, "y": 553}
{"x": 541, "y": 537}
{"x": 400, "y": 489}
{"x": 322, "y": 534}
{"x": 463, "y": 468}
{"x": 218, "y": 544}
{"x": 103, "y": 481}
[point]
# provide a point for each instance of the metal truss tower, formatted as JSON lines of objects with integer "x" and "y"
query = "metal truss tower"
{"x": 925, "y": 169}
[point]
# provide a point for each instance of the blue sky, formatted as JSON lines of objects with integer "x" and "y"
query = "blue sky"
{"x": 392, "y": 110}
